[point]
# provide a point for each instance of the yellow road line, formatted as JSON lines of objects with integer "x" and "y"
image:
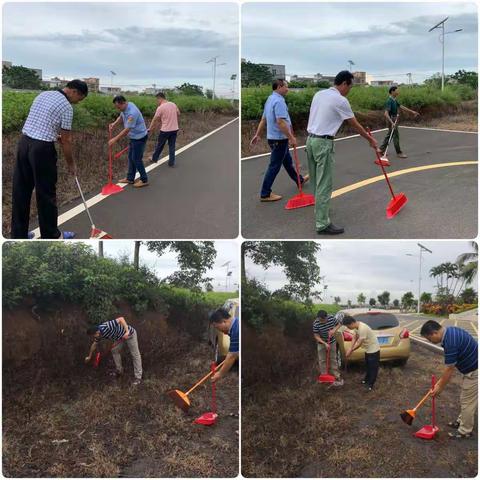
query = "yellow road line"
{"x": 416, "y": 328}
{"x": 442, "y": 321}
{"x": 369, "y": 181}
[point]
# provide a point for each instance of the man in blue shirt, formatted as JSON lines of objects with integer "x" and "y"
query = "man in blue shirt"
{"x": 461, "y": 352}
{"x": 279, "y": 134}
{"x": 133, "y": 126}
{"x": 228, "y": 325}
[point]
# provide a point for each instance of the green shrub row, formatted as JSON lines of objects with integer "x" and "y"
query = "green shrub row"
{"x": 361, "y": 98}
{"x": 98, "y": 110}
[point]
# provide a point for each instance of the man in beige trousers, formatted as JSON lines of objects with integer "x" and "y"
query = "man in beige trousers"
{"x": 118, "y": 331}
{"x": 461, "y": 353}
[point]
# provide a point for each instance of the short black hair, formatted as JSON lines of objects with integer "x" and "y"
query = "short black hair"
{"x": 219, "y": 315}
{"x": 430, "y": 327}
{"x": 92, "y": 330}
{"x": 79, "y": 85}
{"x": 279, "y": 82}
{"x": 348, "y": 320}
{"x": 392, "y": 89}
{"x": 343, "y": 76}
{"x": 322, "y": 314}
{"x": 160, "y": 95}
{"x": 119, "y": 99}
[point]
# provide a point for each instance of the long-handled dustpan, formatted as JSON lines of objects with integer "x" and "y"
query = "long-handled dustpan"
{"x": 100, "y": 356}
{"x": 327, "y": 377}
{"x": 409, "y": 415}
{"x": 95, "y": 233}
{"x": 210, "y": 418}
{"x": 398, "y": 201}
{"x": 300, "y": 199}
{"x": 111, "y": 188}
{"x": 181, "y": 399}
{"x": 428, "y": 432}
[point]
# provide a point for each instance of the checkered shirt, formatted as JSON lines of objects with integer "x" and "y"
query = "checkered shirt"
{"x": 50, "y": 112}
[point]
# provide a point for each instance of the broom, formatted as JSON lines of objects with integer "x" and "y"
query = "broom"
{"x": 300, "y": 199}
{"x": 409, "y": 415}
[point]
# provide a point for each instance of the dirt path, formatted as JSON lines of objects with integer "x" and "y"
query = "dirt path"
{"x": 304, "y": 429}
{"x": 95, "y": 426}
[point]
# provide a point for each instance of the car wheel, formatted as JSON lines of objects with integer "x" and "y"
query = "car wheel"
{"x": 401, "y": 363}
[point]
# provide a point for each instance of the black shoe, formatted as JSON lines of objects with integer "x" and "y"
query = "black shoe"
{"x": 331, "y": 230}
{"x": 171, "y": 165}
{"x": 153, "y": 161}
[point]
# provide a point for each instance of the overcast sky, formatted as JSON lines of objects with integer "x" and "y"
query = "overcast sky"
{"x": 167, "y": 263}
{"x": 387, "y": 40}
{"x": 144, "y": 43}
{"x": 353, "y": 267}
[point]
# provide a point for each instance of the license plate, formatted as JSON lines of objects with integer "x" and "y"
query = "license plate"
{"x": 383, "y": 340}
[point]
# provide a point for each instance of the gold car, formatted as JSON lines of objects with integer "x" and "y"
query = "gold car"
{"x": 218, "y": 340}
{"x": 394, "y": 340}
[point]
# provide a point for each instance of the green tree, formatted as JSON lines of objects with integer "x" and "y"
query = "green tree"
{"x": 254, "y": 75}
{"x": 296, "y": 258}
{"x": 194, "y": 259}
{"x": 361, "y": 299}
{"x": 396, "y": 303}
{"x": 190, "y": 89}
{"x": 408, "y": 300}
{"x": 466, "y": 78}
{"x": 372, "y": 302}
{"x": 209, "y": 93}
{"x": 337, "y": 300}
{"x": 21, "y": 78}
{"x": 468, "y": 265}
{"x": 425, "y": 298}
{"x": 384, "y": 298}
{"x": 469, "y": 295}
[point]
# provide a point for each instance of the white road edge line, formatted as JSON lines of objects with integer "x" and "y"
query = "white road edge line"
{"x": 474, "y": 327}
{"x": 438, "y": 129}
{"x": 303, "y": 146}
{"x": 73, "y": 212}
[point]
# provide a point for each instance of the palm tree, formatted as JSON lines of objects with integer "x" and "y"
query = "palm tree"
{"x": 468, "y": 265}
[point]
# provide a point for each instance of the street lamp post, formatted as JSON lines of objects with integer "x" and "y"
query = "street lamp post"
{"x": 442, "y": 37}
{"x": 422, "y": 249}
{"x": 214, "y": 61}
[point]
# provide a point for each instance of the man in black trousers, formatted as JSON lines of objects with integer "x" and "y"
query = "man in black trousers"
{"x": 50, "y": 116}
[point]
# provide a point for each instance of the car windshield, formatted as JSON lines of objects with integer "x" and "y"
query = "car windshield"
{"x": 378, "y": 321}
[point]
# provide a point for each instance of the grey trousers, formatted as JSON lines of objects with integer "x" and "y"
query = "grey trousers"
{"x": 132, "y": 343}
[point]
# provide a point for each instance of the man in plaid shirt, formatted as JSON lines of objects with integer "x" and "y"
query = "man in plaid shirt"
{"x": 50, "y": 119}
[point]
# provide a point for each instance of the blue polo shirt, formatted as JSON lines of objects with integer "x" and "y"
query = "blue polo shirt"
{"x": 460, "y": 349}
{"x": 233, "y": 334}
{"x": 275, "y": 108}
{"x": 133, "y": 119}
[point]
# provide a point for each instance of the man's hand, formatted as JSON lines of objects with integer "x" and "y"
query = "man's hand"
{"x": 72, "y": 168}
{"x": 416, "y": 114}
{"x": 216, "y": 376}
{"x": 373, "y": 143}
{"x": 437, "y": 389}
{"x": 111, "y": 126}
{"x": 87, "y": 359}
{"x": 112, "y": 142}
{"x": 254, "y": 140}
{"x": 348, "y": 353}
{"x": 292, "y": 140}
{"x": 332, "y": 332}
{"x": 126, "y": 336}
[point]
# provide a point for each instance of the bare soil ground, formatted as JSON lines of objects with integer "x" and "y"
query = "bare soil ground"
{"x": 299, "y": 428}
{"x": 85, "y": 423}
{"x": 91, "y": 155}
{"x": 465, "y": 117}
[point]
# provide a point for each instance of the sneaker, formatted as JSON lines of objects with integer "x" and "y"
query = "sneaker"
{"x": 31, "y": 235}
{"x": 458, "y": 436}
{"x": 273, "y": 197}
{"x": 306, "y": 178}
{"x": 331, "y": 230}
{"x": 172, "y": 166}
{"x": 338, "y": 383}
{"x": 137, "y": 381}
{"x": 140, "y": 184}
{"x": 401, "y": 155}
{"x": 153, "y": 161}
{"x": 126, "y": 180}
{"x": 67, "y": 235}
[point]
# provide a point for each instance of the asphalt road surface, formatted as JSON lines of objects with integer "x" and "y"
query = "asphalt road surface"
{"x": 442, "y": 202}
{"x": 196, "y": 200}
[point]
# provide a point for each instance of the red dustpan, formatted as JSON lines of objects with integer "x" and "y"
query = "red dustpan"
{"x": 300, "y": 199}
{"x": 111, "y": 188}
{"x": 210, "y": 418}
{"x": 428, "y": 432}
{"x": 398, "y": 201}
{"x": 327, "y": 377}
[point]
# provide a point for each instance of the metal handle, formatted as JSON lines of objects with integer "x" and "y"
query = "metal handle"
{"x": 84, "y": 202}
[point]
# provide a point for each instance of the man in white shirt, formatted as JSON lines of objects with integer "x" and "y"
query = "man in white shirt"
{"x": 329, "y": 109}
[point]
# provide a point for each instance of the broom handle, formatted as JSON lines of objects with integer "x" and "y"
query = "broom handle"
{"x": 214, "y": 391}
{"x": 206, "y": 377}
{"x": 433, "y": 402}
{"x": 297, "y": 168}
{"x": 110, "y": 171}
{"x": 381, "y": 166}
{"x": 391, "y": 135}
{"x": 423, "y": 400}
{"x": 83, "y": 200}
{"x": 328, "y": 354}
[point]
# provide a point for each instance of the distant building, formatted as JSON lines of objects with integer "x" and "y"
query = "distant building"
{"x": 56, "y": 82}
{"x": 359, "y": 78}
{"x": 277, "y": 71}
{"x": 110, "y": 90}
{"x": 7, "y": 64}
{"x": 150, "y": 91}
{"x": 318, "y": 77}
{"x": 382, "y": 83}
{"x": 93, "y": 84}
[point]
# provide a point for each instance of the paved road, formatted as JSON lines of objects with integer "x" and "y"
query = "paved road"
{"x": 442, "y": 201}
{"x": 196, "y": 200}
{"x": 414, "y": 323}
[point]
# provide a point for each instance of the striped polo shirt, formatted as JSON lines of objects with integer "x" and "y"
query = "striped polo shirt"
{"x": 322, "y": 328}
{"x": 460, "y": 349}
{"x": 234, "y": 337}
{"x": 50, "y": 112}
{"x": 112, "y": 330}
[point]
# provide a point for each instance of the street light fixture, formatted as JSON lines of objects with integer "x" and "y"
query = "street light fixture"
{"x": 422, "y": 249}
{"x": 215, "y": 65}
{"x": 442, "y": 40}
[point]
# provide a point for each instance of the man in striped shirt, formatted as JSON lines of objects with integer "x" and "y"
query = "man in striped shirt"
{"x": 119, "y": 332}
{"x": 49, "y": 120}
{"x": 461, "y": 352}
{"x": 228, "y": 325}
{"x": 324, "y": 329}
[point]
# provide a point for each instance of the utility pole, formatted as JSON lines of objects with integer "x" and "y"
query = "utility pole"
{"x": 214, "y": 61}
{"x": 350, "y": 65}
{"x": 409, "y": 75}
